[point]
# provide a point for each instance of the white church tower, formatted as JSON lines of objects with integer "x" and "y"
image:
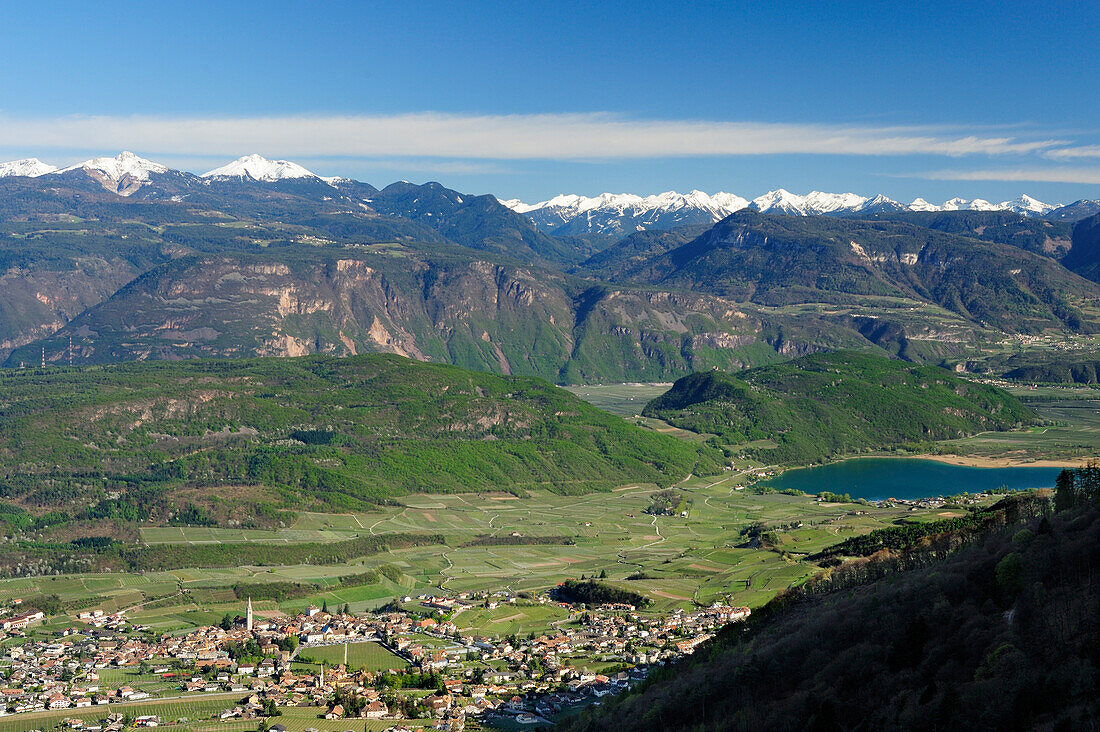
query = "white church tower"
{"x": 248, "y": 616}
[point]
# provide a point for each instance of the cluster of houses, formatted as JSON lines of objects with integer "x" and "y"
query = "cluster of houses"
{"x": 527, "y": 679}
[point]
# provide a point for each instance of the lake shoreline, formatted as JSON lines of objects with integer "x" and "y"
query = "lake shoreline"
{"x": 916, "y": 477}
{"x": 972, "y": 461}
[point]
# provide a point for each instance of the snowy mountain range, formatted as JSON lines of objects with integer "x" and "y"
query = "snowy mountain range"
{"x": 127, "y": 173}
{"x": 609, "y": 214}
{"x": 624, "y": 213}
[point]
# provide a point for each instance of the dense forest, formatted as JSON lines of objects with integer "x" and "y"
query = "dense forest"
{"x": 591, "y": 592}
{"x": 318, "y": 430}
{"x": 831, "y": 404}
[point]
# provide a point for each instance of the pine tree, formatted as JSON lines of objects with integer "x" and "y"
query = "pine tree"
{"x": 1066, "y": 495}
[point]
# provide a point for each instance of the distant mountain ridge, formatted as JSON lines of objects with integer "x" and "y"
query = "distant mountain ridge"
{"x": 625, "y": 213}
{"x": 779, "y": 260}
{"x": 564, "y": 214}
{"x": 127, "y": 174}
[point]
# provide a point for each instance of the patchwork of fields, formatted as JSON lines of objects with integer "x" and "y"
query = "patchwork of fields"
{"x": 677, "y": 561}
{"x": 1073, "y": 432}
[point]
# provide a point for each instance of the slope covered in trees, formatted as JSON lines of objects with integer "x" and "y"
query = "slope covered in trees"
{"x": 830, "y": 404}
{"x": 316, "y": 431}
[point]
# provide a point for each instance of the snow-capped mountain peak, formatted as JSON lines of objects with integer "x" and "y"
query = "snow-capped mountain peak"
{"x": 28, "y": 167}
{"x": 815, "y": 202}
{"x": 961, "y": 204}
{"x": 124, "y": 164}
{"x": 260, "y": 168}
{"x": 782, "y": 200}
{"x": 1028, "y": 206}
{"x": 123, "y": 174}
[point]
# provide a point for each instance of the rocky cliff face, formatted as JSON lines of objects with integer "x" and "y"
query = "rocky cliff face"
{"x": 479, "y": 314}
{"x": 36, "y": 303}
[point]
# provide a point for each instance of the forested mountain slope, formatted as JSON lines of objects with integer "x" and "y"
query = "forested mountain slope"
{"x": 479, "y": 222}
{"x": 312, "y": 432}
{"x": 830, "y": 404}
{"x": 781, "y": 260}
{"x": 443, "y": 305}
{"x": 233, "y": 267}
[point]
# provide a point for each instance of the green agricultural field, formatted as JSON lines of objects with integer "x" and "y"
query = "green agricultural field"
{"x": 1071, "y": 429}
{"x": 297, "y": 719}
{"x": 626, "y": 400}
{"x": 150, "y": 683}
{"x": 367, "y": 656}
{"x": 200, "y": 712}
{"x": 676, "y": 561}
{"x": 507, "y": 619}
{"x": 204, "y": 535}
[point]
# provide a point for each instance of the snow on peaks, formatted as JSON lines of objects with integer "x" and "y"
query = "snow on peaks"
{"x": 122, "y": 165}
{"x": 815, "y": 202}
{"x": 623, "y": 213}
{"x": 28, "y": 167}
{"x": 123, "y": 174}
{"x": 260, "y": 168}
{"x": 1024, "y": 205}
{"x": 1028, "y": 206}
{"x": 720, "y": 204}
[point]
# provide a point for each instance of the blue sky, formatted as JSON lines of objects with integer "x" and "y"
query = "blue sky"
{"x": 531, "y": 99}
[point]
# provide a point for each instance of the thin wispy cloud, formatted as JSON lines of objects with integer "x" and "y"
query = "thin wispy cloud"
{"x": 1089, "y": 176}
{"x": 497, "y": 137}
{"x": 338, "y": 165}
{"x": 1073, "y": 153}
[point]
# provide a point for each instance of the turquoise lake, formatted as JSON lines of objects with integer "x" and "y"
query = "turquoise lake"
{"x": 879, "y": 478}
